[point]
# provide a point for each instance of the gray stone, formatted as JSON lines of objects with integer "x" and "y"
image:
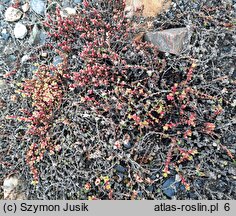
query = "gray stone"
{"x": 68, "y": 11}
{"x": 232, "y": 170}
{"x": 11, "y": 58}
{"x": 129, "y": 13}
{"x": 57, "y": 60}
{"x": 77, "y": 1}
{"x": 171, "y": 40}
{"x": 42, "y": 37}
{"x": 13, "y": 188}
{"x": 233, "y": 104}
{"x": 38, "y": 6}
{"x": 24, "y": 59}
{"x": 2, "y": 85}
{"x": 25, "y": 7}
{"x": 35, "y": 35}
{"x": 127, "y": 144}
{"x": 150, "y": 188}
{"x": 120, "y": 168}
{"x": 20, "y": 31}
{"x": 211, "y": 175}
{"x": 10, "y": 48}
{"x": 168, "y": 187}
{"x": 1, "y": 8}
{"x": 5, "y": 35}
{"x": 6, "y": 1}
{"x": 12, "y": 14}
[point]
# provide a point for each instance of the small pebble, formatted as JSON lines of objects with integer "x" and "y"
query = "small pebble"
{"x": 42, "y": 37}
{"x": 11, "y": 186}
{"x": 150, "y": 188}
{"x": 212, "y": 175}
{"x": 121, "y": 176}
{"x": 168, "y": 188}
{"x": 77, "y": 1}
{"x": 150, "y": 72}
{"x": 234, "y": 103}
{"x": 44, "y": 54}
{"x": 20, "y": 31}
{"x": 24, "y": 59}
{"x": 214, "y": 144}
{"x": 177, "y": 178}
{"x": 12, "y": 14}
{"x": 120, "y": 168}
{"x": 35, "y": 35}
{"x": 5, "y": 34}
{"x": 25, "y": 7}
{"x": 127, "y": 144}
{"x": 11, "y": 58}
{"x": 1, "y": 8}
{"x": 232, "y": 170}
{"x": 2, "y": 85}
{"x": 68, "y": 11}
{"x": 57, "y": 60}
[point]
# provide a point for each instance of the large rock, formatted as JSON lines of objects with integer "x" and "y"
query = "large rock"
{"x": 149, "y": 8}
{"x": 171, "y": 40}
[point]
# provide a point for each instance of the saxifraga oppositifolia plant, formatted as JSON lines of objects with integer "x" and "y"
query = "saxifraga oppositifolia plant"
{"x": 111, "y": 73}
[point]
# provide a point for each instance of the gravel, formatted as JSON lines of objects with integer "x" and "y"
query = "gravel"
{"x": 20, "y": 31}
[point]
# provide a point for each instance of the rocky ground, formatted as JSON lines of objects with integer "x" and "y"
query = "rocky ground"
{"x": 205, "y": 36}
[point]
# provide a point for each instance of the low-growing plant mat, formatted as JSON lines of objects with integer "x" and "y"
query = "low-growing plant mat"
{"x": 116, "y": 118}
